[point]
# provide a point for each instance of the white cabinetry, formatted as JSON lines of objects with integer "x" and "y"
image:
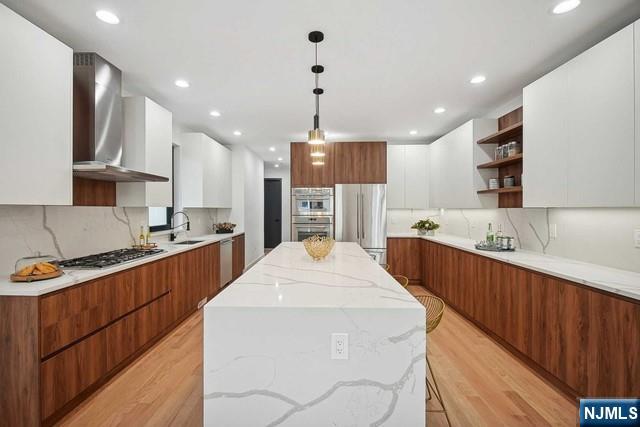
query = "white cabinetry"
{"x": 36, "y": 114}
{"x": 205, "y": 172}
{"x": 579, "y": 130}
{"x": 147, "y": 147}
{"x": 454, "y": 178}
{"x": 601, "y": 124}
{"x": 407, "y": 176}
{"x": 545, "y": 138}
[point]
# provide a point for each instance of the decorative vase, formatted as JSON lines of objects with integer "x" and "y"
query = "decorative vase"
{"x": 422, "y": 232}
{"x": 431, "y": 232}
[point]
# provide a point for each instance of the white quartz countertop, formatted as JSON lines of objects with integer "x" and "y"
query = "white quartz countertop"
{"x": 73, "y": 277}
{"x": 622, "y": 282}
{"x": 287, "y": 277}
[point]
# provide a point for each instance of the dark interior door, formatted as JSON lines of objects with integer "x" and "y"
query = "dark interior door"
{"x": 272, "y": 212}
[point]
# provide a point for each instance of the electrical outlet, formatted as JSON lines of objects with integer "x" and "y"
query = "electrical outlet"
{"x": 553, "y": 231}
{"x": 636, "y": 237}
{"x": 339, "y": 346}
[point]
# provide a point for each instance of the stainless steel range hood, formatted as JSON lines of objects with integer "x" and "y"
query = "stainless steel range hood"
{"x": 97, "y": 122}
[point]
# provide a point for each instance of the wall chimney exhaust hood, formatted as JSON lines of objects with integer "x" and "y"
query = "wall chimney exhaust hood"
{"x": 97, "y": 122}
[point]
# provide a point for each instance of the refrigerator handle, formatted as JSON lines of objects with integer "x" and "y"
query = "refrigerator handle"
{"x": 362, "y": 214}
{"x": 358, "y": 217}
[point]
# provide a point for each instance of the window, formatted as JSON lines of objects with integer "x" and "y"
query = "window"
{"x": 160, "y": 217}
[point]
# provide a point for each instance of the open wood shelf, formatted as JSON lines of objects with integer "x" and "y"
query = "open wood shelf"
{"x": 502, "y": 190}
{"x": 502, "y": 162}
{"x": 503, "y": 135}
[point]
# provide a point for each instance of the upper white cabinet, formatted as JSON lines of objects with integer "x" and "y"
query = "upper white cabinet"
{"x": 545, "y": 137}
{"x": 205, "y": 172}
{"x": 36, "y": 114}
{"x": 636, "y": 30}
{"x": 148, "y": 148}
{"x": 454, "y": 178}
{"x": 407, "y": 176}
{"x": 601, "y": 124}
{"x": 579, "y": 130}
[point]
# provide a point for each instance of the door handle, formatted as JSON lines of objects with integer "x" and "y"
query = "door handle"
{"x": 278, "y": 220}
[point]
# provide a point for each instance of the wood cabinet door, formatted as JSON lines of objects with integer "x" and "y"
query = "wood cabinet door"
{"x": 404, "y": 258}
{"x": 238, "y": 257}
{"x": 348, "y": 162}
{"x": 304, "y": 174}
{"x": 373, "y": 166}
{"x": 68, "y": 373}
{"x": 360, "y": 162}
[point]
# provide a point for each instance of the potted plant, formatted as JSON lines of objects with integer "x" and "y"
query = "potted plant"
{"x": 224, "y": 227}
{"x": 426, "y": 227}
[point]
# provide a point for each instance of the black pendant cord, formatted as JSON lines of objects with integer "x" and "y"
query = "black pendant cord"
{"x": 316, "y": 118}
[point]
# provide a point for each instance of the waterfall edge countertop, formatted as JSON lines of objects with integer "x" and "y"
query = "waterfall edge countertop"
{"x": 295, "y": 342}
{"x": 348, "y": 277}
{"x": 74, "y": 277}
{"x": 616, "y": 281}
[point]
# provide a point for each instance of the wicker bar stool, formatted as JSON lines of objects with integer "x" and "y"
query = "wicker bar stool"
{"x": 403, "y": 280}
{"x": 435, "y": 309}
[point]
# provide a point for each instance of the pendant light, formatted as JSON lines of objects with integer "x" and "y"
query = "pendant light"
{"x": 316, "y": 136}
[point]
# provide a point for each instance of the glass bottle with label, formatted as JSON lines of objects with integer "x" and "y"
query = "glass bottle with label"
{"x": 491, "y": 237}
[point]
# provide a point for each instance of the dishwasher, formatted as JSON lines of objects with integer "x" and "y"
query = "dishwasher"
{"x": 226, "y": 261}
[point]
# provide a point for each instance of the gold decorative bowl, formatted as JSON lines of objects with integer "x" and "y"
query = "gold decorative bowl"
{"x": 318, "y": 247}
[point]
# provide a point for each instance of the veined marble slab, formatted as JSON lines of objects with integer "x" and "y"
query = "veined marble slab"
{"x": 73, "y": 277}
{"x": 622, "y": 282}
{"x": 267, "y": 345}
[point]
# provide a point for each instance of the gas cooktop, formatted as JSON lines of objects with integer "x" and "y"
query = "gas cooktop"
{"x": 107, "y": 259}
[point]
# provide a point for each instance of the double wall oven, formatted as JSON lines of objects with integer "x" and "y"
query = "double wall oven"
{"x": 311, "y": 213}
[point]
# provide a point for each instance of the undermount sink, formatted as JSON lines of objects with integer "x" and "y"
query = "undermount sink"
{"x": 189, "y": 242}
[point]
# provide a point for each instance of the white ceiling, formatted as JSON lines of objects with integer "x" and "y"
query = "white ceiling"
{"x": 388, "y": 63}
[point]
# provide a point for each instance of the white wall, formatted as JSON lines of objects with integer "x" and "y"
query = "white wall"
{"x": 599, "y": 236}
{"x": 283, "y": 172}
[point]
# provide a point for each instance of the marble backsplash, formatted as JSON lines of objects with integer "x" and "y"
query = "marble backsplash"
{"x": 601, "y": 236}
{"x": 71, "y": 231}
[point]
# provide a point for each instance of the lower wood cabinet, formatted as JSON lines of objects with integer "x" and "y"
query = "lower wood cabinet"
{"x": 62, "y": 346}
{"x": 238, "y": 257}
{"x": 403, "y": 260}
{"x": 585, "y": 341}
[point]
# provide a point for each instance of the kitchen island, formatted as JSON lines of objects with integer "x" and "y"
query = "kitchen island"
{"x": 268, "y": 357}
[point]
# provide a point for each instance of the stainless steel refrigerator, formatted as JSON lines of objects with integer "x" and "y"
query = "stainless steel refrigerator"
{"x": 361, "y": 217}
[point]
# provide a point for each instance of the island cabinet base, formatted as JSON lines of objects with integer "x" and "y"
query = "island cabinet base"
{"x": 61, "y": 347}
{"x": 584, "y": 341}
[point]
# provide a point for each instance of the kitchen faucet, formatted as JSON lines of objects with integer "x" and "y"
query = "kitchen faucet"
{"x": 173, "y": 235}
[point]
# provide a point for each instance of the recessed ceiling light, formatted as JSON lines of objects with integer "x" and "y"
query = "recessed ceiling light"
{"x": 565, "y": 6}
{"x": 279, "y": 159}
{"x": 108, "y": 17}
{"x": 413, "y": 132}
{"x": 478, "y": 79}
{"x": 182, "y": 83}
{"x": 237, "y": 133}
{"x": 215, "y": 113}
{"x": 276, "y": 165}
{"x": 272, "y": 148}
{"x": 439, "y": 110}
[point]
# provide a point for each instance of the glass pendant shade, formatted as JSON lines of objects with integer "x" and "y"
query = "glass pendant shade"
{"x": 316, "y": 137}
{"x": 317, "y": 151}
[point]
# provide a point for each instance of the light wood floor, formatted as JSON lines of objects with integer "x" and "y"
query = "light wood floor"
{"x": 482, "y": 384}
